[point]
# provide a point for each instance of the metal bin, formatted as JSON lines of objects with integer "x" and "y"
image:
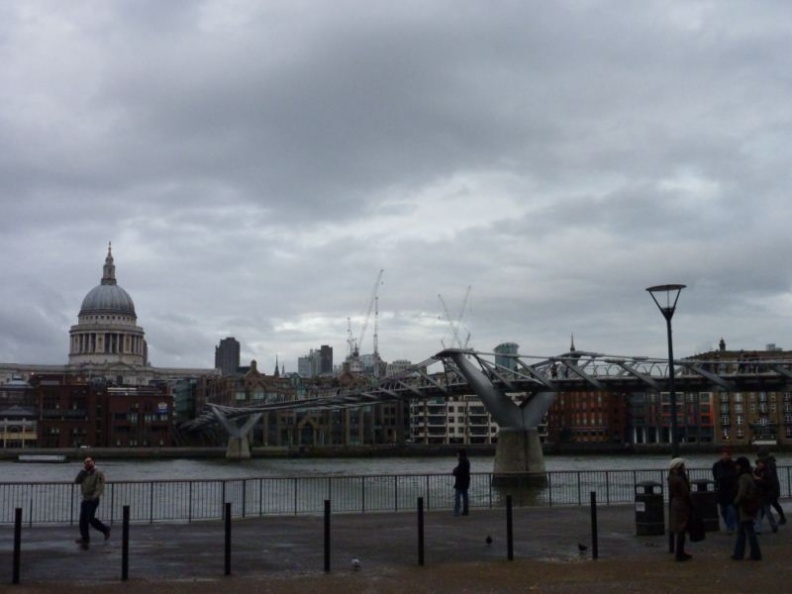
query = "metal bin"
{"x": 649, "y": 509}
{"x": 705, "y": 503}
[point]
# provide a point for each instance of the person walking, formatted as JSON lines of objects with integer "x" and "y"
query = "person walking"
{"x": 747, "y": 505}
{"x": 775, "y": 490}
{"x": 92, "y": 482}
{"x": 681, "y": 507}
{"x": 461, "y": 484}
{"x": 725, "y": 473}
{"x": 763, "y": 480}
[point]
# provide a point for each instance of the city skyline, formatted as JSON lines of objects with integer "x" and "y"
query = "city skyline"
{"x": 255, "y": 166}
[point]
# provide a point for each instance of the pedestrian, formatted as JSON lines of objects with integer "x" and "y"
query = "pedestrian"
{"x": 725, "y": 473}
{"x": 747, "y": 504}
{"x": 681, "y": 508}
{"x": 775, "y": 493}
{"x": 92, "y": 481}
{"x": 765, "y": 487}
{"x": 461, "y": 483}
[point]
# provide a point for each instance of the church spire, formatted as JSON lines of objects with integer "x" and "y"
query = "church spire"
{"x": 108, "y": 274}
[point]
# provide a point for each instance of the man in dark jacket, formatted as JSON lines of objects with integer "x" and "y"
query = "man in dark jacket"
{"x": 461, "y": 483}
{"x": 726, "y": 473}
{"x": 775, "y": 487}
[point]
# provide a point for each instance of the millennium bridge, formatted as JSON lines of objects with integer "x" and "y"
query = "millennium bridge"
{"x": 517, "y": 391}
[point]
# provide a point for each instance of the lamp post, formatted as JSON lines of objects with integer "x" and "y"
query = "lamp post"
{"x": 668, "y": 297}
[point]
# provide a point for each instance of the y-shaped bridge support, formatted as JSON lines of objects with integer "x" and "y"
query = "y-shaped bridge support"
{"x": 238, "y": 442}
{"x": 518, "y": 455}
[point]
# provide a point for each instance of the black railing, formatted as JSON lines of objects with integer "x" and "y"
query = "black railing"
{"x": 193, "y": 500}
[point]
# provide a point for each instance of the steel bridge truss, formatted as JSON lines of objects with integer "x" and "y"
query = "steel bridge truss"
{"x": 522, "y": 377}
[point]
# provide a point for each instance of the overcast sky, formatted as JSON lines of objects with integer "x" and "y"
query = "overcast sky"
{"x": 255, "y": 164}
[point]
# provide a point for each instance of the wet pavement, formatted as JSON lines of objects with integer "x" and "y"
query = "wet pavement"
{"x": 294, "y": 545}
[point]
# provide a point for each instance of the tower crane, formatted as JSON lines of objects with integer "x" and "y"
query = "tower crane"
{"x": 356, "y": 345}
{"x": 455, "y": 323}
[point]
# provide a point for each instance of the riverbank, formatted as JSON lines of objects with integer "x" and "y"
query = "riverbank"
{"x": 382, "y": 451}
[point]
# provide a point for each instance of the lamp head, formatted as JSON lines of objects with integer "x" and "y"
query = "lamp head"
{"x": 666, "y": 297}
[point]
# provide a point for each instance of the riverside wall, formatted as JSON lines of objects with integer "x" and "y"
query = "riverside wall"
{"x": 383, "y": 451}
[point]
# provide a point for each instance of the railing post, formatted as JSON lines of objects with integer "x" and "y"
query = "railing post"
{"x": 395, "y": 493}
{"x": 189, "y": 505}
{"x": 125, "y": 545}
{"x": 151, "y": 504}
{"x": 244, "y": 497}
{"x": 509, "y": 529}
{"x": 17, "y": 544}
{"x": 228, "y": 538}
{"x": 420, "y": 531}
{"x": 594, "y": 531}
{"x": 363, "y": 494}
{"x": 327, "y": 536}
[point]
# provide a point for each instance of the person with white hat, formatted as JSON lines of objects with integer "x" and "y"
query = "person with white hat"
{"x": 681, "y": 506}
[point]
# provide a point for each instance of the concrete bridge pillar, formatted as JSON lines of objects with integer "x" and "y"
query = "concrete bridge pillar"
{"x": 518, "y": 455}
{"x": 519, "y": 458}
{"x": 238, "y": 448}
{"x": 238, "y": 441}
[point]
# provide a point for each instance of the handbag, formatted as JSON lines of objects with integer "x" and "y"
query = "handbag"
{"x": 696, "y": 528}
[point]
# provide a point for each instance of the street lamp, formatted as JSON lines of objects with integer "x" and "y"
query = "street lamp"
{"x": 668, "y": 297}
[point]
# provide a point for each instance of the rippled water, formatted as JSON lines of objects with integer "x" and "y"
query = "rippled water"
{"x": 120, "y": 470}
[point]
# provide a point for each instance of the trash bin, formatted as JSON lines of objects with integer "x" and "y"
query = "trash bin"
{"x": 649, "y": 509}
{"x": 705, "y": 503}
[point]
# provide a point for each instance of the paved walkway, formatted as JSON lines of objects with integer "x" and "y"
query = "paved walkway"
{"x": 289, "y": 547}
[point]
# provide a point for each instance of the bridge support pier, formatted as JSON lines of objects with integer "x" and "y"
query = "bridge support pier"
{"x": 238, "y": 441}
{"x": 238, "y": 448}
{"x": 519, "y": 459}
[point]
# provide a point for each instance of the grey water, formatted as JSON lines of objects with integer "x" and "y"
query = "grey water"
{"x": 203, "y": 469}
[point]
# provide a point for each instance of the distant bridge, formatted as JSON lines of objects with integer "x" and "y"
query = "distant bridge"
{"x": 527, "y": 377}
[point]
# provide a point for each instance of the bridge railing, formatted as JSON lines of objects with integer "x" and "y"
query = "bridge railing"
{"x": 195, "y": 500}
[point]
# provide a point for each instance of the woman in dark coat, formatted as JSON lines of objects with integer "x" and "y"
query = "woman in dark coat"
{"x": 747, "y": 503}
{"x": 681, "y": 505}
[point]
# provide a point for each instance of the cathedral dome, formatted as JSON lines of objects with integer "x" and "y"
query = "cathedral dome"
{"x": 108, "y": 297}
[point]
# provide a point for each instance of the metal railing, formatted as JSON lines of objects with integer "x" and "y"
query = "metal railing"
{"x": 194, "y": 500}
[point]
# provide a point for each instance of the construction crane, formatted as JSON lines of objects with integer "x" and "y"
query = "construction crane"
{"x": 354, "y": 345}
{"x": 455, "y": 323}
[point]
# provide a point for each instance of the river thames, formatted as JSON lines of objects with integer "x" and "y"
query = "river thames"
{"x": 207, "y": 469}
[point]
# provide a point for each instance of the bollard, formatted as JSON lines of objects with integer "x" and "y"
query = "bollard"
{"x": 327, "y": 536}
{"x": 420, "y": 531}
{"x": 17, "y": 544}
{"x": 125, "y": 545}
{"x": 228, "y": 538}
{"x": 509, "y": 529}
{"x": 594, "y": 531}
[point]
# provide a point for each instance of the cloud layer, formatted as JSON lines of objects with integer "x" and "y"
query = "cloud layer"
{"x": 256, "y": 164}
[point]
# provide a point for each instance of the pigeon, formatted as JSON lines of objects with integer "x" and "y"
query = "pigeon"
{"x": 582, "y": 547}
{"x": 488, "y": 540}
{"x": 356, "y": 564}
